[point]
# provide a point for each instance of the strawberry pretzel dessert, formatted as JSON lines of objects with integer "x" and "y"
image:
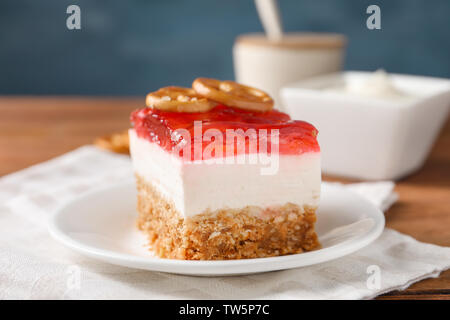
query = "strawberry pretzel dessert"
{"x": 222, "y": 175}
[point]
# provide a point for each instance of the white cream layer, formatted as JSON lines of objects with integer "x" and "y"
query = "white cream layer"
{"x": 196, "y": 187}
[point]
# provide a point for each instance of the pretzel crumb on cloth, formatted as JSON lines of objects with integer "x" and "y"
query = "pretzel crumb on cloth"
{"x": 116, "y": 142}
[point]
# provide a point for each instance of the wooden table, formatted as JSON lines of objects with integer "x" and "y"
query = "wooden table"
{"x": 35, "y": 129}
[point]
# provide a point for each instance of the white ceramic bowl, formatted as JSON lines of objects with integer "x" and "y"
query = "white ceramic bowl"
{"x": 371, "y": 138}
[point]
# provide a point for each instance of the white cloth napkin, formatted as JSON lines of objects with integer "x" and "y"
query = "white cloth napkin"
{"x": 34, "y": 266}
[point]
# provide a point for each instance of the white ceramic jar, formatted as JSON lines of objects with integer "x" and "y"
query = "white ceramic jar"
{"x": 269, "y": 65}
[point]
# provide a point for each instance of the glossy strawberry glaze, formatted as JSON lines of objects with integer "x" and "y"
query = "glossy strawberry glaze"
{"x": 295, "y": 137}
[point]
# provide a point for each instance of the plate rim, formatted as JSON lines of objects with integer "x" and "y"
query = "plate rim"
{"x": 209, "y": 267}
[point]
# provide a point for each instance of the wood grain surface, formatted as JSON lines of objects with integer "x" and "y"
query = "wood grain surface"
{"x": 35, "y": 129}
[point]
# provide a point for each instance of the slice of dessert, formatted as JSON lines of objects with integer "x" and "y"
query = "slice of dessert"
{"x": 221, "y": 175}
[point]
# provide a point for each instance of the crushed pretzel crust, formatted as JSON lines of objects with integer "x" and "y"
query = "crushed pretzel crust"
{"x": 250, "y": 232}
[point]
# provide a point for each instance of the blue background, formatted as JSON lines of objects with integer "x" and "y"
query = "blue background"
{"x": 132, "y": 47}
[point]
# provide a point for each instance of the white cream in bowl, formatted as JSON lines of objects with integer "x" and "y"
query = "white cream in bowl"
{"x": 376, "y": 85}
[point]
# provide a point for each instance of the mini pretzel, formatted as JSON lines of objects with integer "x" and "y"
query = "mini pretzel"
{"x": 233, "y": 94}
{"x": 178, "y": 99}
{"x": 117, "y": 142}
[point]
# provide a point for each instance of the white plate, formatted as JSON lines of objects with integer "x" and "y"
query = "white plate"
{"x": 101, "y": 224}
